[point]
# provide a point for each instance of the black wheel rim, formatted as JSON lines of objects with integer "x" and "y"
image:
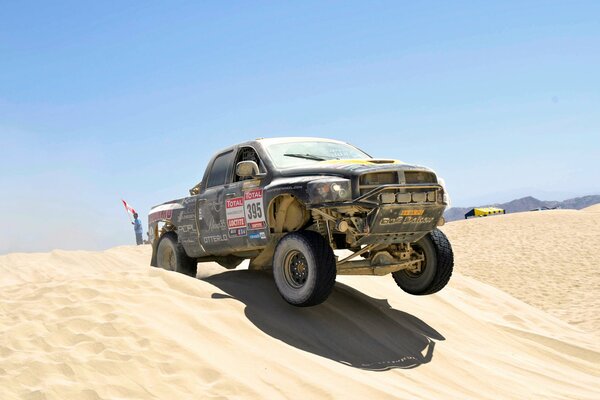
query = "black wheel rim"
{"x": 295, "y": 269}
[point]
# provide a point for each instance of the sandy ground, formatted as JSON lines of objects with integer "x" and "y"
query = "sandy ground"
{"x": 594, "y": 208}
{"x": 549, "y": 259}
{"x": 104, "y": 325}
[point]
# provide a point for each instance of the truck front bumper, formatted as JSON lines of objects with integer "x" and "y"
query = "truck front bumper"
{"x": 397, "y": 213}
{"x": 393, "y": 223}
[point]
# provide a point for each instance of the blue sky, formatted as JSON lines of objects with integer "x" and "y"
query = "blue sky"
{"x": 103, "y": 100}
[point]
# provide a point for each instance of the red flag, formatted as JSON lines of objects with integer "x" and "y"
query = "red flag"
{"x": 129, "y": 209}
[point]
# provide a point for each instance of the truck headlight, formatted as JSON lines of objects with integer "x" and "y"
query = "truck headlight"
{"x": 329, "y": 189}
{"x": 446, "y": 198}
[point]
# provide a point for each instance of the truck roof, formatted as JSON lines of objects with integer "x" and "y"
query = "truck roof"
{"x": 295, "y": 139}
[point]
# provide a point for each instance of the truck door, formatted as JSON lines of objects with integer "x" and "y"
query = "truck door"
{"x": 244, "y": 206}
{"x": 212, "y": 219}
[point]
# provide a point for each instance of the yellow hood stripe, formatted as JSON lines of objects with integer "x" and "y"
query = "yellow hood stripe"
{"x": 362, "y": 162}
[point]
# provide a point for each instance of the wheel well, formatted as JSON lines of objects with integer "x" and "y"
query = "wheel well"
{"x": 287, "y": 214}
{"x": 165, "y": 234}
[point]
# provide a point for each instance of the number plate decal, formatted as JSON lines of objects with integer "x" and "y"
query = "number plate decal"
{"x": 254, "y": 209}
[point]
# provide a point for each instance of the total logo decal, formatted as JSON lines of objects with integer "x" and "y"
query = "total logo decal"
{"x": 245, "y": 212}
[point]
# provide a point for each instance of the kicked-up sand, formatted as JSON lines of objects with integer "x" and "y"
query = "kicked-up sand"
{"x": 105, "y": 325}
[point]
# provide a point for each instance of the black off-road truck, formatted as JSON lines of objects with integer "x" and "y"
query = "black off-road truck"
{"x": 287, "y": 203}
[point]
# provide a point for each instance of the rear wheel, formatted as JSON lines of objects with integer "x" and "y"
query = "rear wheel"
{"x": 171, "y": 256}
{"x": 304, "y": 268}
{"x": 435, "y": 270}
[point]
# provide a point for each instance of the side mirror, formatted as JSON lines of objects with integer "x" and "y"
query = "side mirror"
{"x": 196, "y": 189}
{"x": 245, "y": 169}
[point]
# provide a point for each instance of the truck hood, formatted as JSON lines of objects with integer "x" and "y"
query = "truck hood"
{"x": 350, "y": 167}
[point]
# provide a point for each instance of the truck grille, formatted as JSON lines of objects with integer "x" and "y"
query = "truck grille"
{"x": 413, "y": 177}
{"x": 403, "y": 194}
{"x": 370, "y": 181}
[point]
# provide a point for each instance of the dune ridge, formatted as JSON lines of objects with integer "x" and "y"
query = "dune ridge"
{"x": 594, "y": 208}
{"x": 104, "y": 325}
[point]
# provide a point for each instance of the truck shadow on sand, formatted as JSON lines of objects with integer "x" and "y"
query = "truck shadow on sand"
{"x": 350, "y": 327}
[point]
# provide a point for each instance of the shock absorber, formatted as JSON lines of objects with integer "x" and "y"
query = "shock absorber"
{"x": 322, "y": 226}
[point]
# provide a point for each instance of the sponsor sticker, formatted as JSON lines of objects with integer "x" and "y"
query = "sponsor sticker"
{"x": 215, "y": 239}
{"x": 156, "y": 216}
{"x": 412, "y": 212}
{"x": 257, "y": 235}
{"x": 406, "y": 220}
{"x": 254, "y": 210}
{"x": 245, "y": 213}
{"x": 238, "y": 232}
{"x": 251, "y": 184}
{"x": 418, "y": 220}
{"x": 234, "y": 210}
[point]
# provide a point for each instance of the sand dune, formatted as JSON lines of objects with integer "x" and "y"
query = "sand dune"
{"x": 95, "y": 325}
{"x": 594, "y": 208}
{"x": 549, "y": 259}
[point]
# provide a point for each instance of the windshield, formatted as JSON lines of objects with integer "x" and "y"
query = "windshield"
{"x": 292, "y": 154}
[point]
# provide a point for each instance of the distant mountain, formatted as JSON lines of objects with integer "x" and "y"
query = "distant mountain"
{"x": 526, "y": 204}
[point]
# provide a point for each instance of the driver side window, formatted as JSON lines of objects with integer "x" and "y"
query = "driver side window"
{"x": 247, "y": 154}
{"x": 220, "y": 167}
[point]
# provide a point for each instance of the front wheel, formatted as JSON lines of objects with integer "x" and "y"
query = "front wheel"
{"x": 434, "y": 271}
{"x": 304, "y": 268}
